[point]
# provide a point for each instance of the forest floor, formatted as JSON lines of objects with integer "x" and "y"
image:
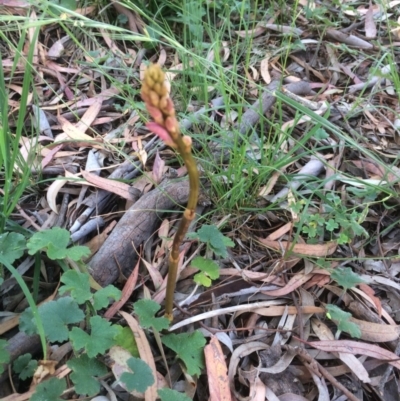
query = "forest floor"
{"x": 289, "y": 285}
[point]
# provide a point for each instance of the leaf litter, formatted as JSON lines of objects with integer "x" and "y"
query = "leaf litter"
{"x": 291, "y": 277}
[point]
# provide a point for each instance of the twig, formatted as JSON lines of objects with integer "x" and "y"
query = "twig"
{"x": 24, "y": 215}
{"x": 231, "y": 309}
{"x": 63, "y": 210}
{"x": 87, "y": 228}
{"x": 318, "y": 369}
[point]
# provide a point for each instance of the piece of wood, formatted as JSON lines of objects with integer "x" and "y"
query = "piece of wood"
{"x": 136, "y": 226}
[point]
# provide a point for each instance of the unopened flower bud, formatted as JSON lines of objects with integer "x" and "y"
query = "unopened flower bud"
{"x": 154, "y": 99}
{"x": 163, "y": 104}
{"x": 155, "y": 114}
{"x": 187, "y": 141}
{"x": 157, "y": 88}
{"x": 162, "y": 133}
{"x": 171, "y": 124}
{"x": 170, "y": 109}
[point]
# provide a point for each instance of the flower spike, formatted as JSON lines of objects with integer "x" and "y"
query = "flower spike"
{"x": 161, "y": 108}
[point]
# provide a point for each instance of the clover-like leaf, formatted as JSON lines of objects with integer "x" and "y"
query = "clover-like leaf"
{"x": 202, "y": 279}
{"x": 209, "y": 270}
{"x": 26, "y": 322}
{"x": 77, "y": 252}
{"x": 102, "y": 297}
{"x": 4, "y": 354}
{"x": 166, "y": 394}
{"x": 189, "y": 347}
{"x": 141, "y": 377}
{"x": 342, "y": 319}
{"x": 320, "y": 134}
{"x": 210, "y": 235}
{"x": 331, "y": 225}
{"x": 55, "y": 316}
{"x": 58, "y": 237}
{"x": 85, "y": 371}
{"x": 227, "y": 241}
{"x": 55, "y": 242}
{"x": 346, "y": 278}
{"x": 146, "y": 310}
{"x": 25, "y": 366}
{"x": 49, "y": 390}
{"x": 77, "y": 284}
{"x": 101, "y": 337}
{"x": 12, "y": 246}
{"x": 343, "y": 239}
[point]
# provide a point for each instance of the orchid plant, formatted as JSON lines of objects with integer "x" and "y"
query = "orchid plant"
{"x": 161, "y": 108}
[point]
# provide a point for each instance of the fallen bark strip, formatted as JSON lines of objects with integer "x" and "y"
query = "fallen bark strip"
{"x": 136, "y": 226}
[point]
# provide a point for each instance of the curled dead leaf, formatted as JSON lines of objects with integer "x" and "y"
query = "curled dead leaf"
{"x": 45, "y": 368}
{"x": 54, "y": 188}
{"x": 240, "y": 352}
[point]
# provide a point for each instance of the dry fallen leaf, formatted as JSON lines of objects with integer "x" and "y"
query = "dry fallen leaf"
{"x": 291, "y": 310}
{"x": 126, "y": 293}
{"x": 155, "y": 275}
{"x": 370, "y": 26}
{"x": 357, "y": 348}
{"x": 54, "y": 188}
{"x": 375, "y": 332}
{"x": 116, "y": 187}
{"x": 253, "y": 33}
{"x": 158, "y": 169}
{"x": 240, "y": 352}
{"x": 280, "y": 231}
{"x": 315, "y": 250}
{"x": 324, "y": 333}
{"x": 96, "y": 242}
{"x": 217, "y": 372}
{"x": 349, "y": 40}
{"x": 264, "y": 70}
{"x": 295, "y": 282}
{"x": 90, "y": 115}
{"x": 369, "y": 292}
{"x": 71, "y": 132}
